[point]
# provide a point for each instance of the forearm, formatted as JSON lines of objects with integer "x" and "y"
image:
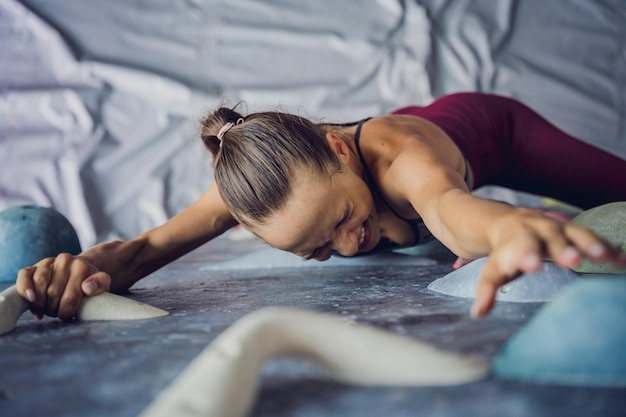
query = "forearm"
{"x": 126, "y": 262}
{"x": 469, "y": 225}
{"x": 129, "y": 261}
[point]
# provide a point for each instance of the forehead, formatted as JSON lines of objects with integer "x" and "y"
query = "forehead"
{"x": 312, "y": 206}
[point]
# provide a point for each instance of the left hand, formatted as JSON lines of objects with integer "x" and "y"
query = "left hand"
{"x": 522, "y": 238}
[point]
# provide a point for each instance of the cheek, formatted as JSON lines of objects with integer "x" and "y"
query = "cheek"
{"x": 366, "y": 201}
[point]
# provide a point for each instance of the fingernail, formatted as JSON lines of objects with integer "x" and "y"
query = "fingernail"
{"x": 569, "y": 253}
{"x": 596, "y": 250}
{"x": 37, "y": 316}
{"x": 475, "y": 310}
{"x": 89, "y": 287}
{"x": 533, "y": 261}
{"x": 30, "y": 295}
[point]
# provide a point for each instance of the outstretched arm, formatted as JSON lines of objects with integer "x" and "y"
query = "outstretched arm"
{"x": 515, "y": 239}
{"x": 55, "y": 286}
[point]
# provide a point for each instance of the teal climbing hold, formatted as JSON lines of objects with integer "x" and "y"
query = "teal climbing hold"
{"x": 577, "y": 339}
{"x": 31, "y": 233}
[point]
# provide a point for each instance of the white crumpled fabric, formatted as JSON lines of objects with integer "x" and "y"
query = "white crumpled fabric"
{"x": 99, "y": 100}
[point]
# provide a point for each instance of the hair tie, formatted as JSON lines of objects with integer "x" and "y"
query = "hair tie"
{"x": 226, "y": 128}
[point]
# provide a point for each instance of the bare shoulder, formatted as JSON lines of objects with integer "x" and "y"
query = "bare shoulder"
{"x": 395, "y": 138}
{"x": 408, "y": 156}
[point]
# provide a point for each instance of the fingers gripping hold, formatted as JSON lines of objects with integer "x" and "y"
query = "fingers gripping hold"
{"x": 56, "y": 286}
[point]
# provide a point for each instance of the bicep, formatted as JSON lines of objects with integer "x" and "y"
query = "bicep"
{"x": 423, "y": 177}
{"x": 422, "y": 173}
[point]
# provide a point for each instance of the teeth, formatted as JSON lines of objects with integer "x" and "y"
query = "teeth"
{"x": 362, "y": 235}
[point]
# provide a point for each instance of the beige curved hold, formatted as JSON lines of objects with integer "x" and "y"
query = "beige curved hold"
{"x": 12, "y": 306}
{"x": 105, "y": 306}
{"x": 222, "y": 381}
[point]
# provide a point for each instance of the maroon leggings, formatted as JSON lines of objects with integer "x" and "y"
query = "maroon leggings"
{"x": 508, "y": 144}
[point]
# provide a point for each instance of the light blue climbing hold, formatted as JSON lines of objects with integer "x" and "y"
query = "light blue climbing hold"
{"x": 31, "y": 233}
{"x": 577, "y": 339}
{"x": 539, "y": 286}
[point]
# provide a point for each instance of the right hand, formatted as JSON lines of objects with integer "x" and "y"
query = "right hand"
{"x": 56, "y": 286}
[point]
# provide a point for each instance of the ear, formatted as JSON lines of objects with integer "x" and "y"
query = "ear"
{"x": 338, "y": 146}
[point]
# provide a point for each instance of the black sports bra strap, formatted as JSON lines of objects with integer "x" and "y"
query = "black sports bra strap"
{"x": 357, "y": 142}
{"x": 421, "y": 233}
{"x": 368, "y": 174}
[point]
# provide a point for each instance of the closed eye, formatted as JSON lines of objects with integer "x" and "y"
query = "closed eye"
{"x": 347, "y": 215}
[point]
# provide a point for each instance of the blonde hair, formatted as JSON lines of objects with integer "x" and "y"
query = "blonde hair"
{"x": 255, "y": 160}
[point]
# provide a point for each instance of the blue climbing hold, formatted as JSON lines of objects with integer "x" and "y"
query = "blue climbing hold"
{"x": 31, "y": 233}
{"x": 577, "y": 339}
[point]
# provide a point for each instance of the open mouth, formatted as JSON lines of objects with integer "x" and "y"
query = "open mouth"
{"x": 364, "y": 236}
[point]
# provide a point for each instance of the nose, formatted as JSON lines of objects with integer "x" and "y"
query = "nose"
{"x": 346, "y": 242}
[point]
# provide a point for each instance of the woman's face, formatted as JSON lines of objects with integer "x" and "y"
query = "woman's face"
{"x": 324, "y": 215}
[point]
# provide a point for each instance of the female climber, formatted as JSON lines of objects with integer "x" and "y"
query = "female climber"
{"x": 390, "y": 181}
